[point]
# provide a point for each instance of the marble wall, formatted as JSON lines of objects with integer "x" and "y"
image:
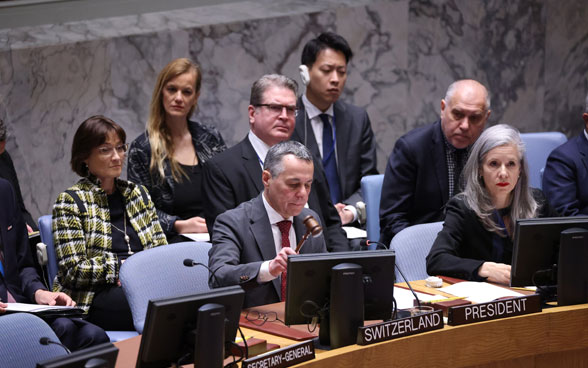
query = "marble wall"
{"x": 532, "y": 54}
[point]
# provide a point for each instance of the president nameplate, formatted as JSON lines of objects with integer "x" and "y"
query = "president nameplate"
{"x": 285, "y": 357}
{"x": 394, "y": 329}
{"x": 502, "y": 308}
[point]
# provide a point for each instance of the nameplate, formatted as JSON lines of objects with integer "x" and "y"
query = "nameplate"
{"x": 399, "y": 328}
{"x": 494, "y": 310}
{"x": 285, "y": 357}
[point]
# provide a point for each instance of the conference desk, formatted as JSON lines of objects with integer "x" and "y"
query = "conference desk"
{"x": 556, "y": 337}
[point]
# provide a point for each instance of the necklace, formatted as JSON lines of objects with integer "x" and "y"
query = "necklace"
{"x": 127, "y": 238}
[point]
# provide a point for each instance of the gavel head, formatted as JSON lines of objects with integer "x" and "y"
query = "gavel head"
{"x": 312, "y": 226}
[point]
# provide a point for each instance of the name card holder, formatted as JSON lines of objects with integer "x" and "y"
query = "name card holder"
{"x": 496, "y": 309}
{"x": 394, "y": 329}
{"x": 284, "y": 357}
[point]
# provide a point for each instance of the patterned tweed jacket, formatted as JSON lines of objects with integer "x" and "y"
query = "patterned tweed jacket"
{"x": 207, "y": 142}
{"x": 83, "y": 240}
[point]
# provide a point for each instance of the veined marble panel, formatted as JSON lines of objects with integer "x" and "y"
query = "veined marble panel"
{"x": 532, "y": 54}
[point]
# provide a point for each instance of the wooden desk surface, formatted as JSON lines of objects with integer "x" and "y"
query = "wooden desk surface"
{"x": 557, "y": 337}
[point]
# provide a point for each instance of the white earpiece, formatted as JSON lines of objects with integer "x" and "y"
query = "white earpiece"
{"x": 304, "y": 75}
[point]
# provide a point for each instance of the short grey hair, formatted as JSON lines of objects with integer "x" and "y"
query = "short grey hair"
{"x": 267, "y": 81}
{"x": 523, "y": 204}
{"x": 273, "y": 159}
{"x": 3, "y": 133}
{"x": 453, "y": 87}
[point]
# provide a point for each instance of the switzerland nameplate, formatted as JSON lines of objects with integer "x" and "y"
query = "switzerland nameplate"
{"x": 284, "y": 357}
{"x": 399, "y": 328}
{"x": 493, "y": 310}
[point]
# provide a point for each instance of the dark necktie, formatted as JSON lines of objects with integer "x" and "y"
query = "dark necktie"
{"x": 460, "y": 156}
{"x": 329, "y": 160}
{"x": 284, "y": 227}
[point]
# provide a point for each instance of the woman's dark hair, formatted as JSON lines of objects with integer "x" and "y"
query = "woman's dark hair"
{"x": 92, "y": 133}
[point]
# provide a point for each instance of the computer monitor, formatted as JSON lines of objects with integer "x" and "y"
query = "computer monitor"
{"x": 169, "y": 333}
{"x": 309, "y": 283}
{"x": 536, "y": 248}
{"x": 99, "y": 356}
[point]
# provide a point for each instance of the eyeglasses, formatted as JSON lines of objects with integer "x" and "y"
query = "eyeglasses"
{"x": 258, "y": 318}
{"x": 277, "y": 109}
{"x": 109, "y": 150}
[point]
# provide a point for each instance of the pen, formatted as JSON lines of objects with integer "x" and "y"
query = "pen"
{"x": 446, "y": 299}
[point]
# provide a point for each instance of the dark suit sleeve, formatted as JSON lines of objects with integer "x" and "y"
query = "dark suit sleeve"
{"x": 368, "y": 161}
{"x": 138, "y": 173}
{"x": 559, "y": 183}
{"x": 29, "y": 278}
{"x": 224, "y": 258}
{"x": 444, "y": 258}
{"x": 397, "y": 191}
{"x": 334, "y": 235}
{"x": 218, "y": 193}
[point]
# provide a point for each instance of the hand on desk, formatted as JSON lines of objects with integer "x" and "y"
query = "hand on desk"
{"x": 280, "y": 263}
{"x": 495, "y": 272}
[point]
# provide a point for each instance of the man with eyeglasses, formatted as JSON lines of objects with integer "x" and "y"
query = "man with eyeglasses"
{"x": 338, "y": 134}
{"x": 234, "y": 176}
{"x": 424, "y": 169}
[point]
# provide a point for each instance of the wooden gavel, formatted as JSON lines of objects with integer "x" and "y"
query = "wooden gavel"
{"x": 312, "y": 227}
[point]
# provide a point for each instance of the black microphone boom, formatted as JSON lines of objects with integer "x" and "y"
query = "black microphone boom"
{"x": 47, "y": 341}
{"x": 188, "y": 262}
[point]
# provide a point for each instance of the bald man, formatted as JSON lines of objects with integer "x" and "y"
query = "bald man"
{"x": 424, "y": 169}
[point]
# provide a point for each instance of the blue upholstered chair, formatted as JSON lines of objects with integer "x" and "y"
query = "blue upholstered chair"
{"x": 19, "y": 341}
{"x": 412, "y": 245}
{"x": 538, "y": 147}
{"x": 371, "y": 189}
{"x": 47, "y": 239}
{"x": 160, "y": 273}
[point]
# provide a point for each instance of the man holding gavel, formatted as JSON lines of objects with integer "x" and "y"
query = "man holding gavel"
{"x": 251, "y": 243}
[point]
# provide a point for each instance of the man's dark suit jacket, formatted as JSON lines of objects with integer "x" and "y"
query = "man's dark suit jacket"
{"x": 565, "y": 179}
{"x": 356, "y": 146}
{"x": 234, "y": 176}
{"x": 416, "y": 184}
{"x": 8, "y": 172}
{"x": 464, "y": 244}
{"x": 242, "y": 240}
{"x": 20, "y": 276}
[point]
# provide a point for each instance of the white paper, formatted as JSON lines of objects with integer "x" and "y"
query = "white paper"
{"x": 479, "y": 292}
{"x": 34, "y": 308}
{"x": 354, "y": 232}
{"x": 405, "y": 299}
{"x": 203, "y": 237}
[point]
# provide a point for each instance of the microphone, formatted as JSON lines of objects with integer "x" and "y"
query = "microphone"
{"x": 47, "y": 341}
{"x": 365, "y": 243}
{"x": 312, "y": 227}
{"x": 189, "y": 262}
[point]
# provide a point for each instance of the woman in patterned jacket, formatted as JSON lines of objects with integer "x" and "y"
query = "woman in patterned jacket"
{"x": 168, "y": 158}
{"x": 99, "y": 222}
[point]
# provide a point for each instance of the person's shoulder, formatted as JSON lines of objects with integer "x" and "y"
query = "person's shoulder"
{"x": 349, "y": 108}
{"x": 228, "y": 156}
{"x": 421, "y": 132}
{"x": 203, "y": 130}
{"x": 141, "y": 141}
{"x": 569, "y": 149}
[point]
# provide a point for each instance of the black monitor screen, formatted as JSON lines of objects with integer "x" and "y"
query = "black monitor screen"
{"x": 309, "y": 279}
{"x": 536, "y": 246}
{"x": 102, "y": 356}
{"x": 169, "y": 323}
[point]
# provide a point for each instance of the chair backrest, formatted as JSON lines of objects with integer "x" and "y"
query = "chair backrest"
{"x": 47, "y": 238}
{"x": 160, "y": 273}
{"x": 371, "y": 189}
{"x": 412, "y": 244}
{"x": 19, "y": 341}
{"x": 538, "y": 147}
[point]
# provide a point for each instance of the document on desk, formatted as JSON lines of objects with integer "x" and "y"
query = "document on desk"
{"x": 354, "y": 232}
{"x": 405, "y": 299}
{"x": 203, "y": 237}
{"x": 43, "y": 309}
{"x": 479, "y": 292}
